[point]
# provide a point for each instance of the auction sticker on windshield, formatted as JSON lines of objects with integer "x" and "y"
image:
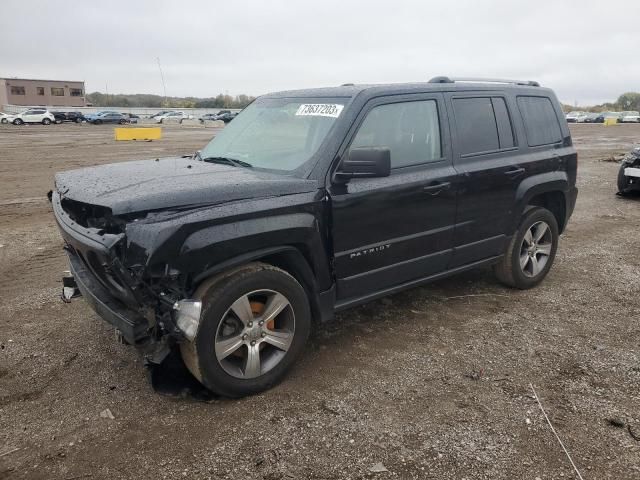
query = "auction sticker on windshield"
{"x": 320, "y": 109}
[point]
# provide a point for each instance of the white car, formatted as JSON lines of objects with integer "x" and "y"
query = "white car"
{"x": 3, "y": 117}
{"x": 178, "y": 116}
{"x": 33, "y": 115}
{"x": 576, "y": 117}
{"x": 630, "y": 117}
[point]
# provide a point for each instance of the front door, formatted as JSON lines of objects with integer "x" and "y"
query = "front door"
{"x": 393, "y": 230}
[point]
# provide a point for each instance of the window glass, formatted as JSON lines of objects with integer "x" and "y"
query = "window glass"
{"x": 57, "y": 91}
{"x": 17, "y": 90}
{"x": 505, "y": 131}
{"x": 540, "y": 121}
{"x": 476, "y": 124}
{"x": 40, "y": 90}
{"x": 411, "y": 131}
{"x": 75, "y": 92}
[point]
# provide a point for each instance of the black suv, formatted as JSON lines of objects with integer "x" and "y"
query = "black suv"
{"x": 311, "y": 202}
{"x": 75, "y": 117}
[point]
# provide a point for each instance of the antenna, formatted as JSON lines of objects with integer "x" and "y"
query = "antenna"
{"x": 164, "y": 87}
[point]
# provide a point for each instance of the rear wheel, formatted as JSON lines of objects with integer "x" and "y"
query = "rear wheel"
{"x": 531, "y": 250}
{"x": 4, "y": 120}
{"x": 78, "y": 120}
{"x": 122, "y": 121}
{"x": 46, "y": 121}
{"x": 255, "y": 322}
{"x": 98, "y": 122}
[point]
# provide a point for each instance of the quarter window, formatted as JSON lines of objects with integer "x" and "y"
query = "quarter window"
{"x": 57, "y": 91}
{"x": 17, "y": 90}
{"x": 411, "y": 131}
{"x": 540, "y": 121}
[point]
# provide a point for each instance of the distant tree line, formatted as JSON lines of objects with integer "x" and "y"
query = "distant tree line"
{"x": 143, "y": 100}
{"x": 629, "y": 101}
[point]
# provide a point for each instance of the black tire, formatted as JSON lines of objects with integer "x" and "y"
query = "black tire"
{"x": 509, "y": 270}
{"x": 78, "y": 120}
{"x": 217, "y": 296}
{"x": 122, "y": 122}
{"x": 18, "y": 121}
{"x": 623, "y": 180}
{"x": 46, "y": 121}
{"x": 97, "y": 122}
{"x": 4, "y": 120}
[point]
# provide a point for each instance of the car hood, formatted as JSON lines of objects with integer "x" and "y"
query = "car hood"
{"x": 165, "y": 183}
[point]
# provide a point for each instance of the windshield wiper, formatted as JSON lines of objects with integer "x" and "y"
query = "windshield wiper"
{"x": 223, "y": 160}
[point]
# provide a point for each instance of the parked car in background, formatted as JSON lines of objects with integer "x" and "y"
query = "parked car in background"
{"x": 33, "y": 115}
{"x": 629, "y": 173}
{"x": 76, "y": 117}
{"x": 576, "y": 117}
{"x": 177, "y": 116}
{"x": 591, "y": 118}
{"x": 208, "y": 116}
{"x": 226, "y": 117}
{"x": 3, "y": 117}
{"x": 160, "y": 114}
{"x": 630, "y": 117}
{"x": 602, "y": 116}
{"x": 107, "y": 117}
{"x": 131, "y": 117}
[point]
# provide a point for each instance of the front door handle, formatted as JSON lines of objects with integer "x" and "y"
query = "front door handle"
{"x": 516, "y": 172}
{"x": 437, "y": 188}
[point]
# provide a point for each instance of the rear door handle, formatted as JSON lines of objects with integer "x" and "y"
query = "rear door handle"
{"x": 436, "y": 188}
{"x": 516, "y": 172}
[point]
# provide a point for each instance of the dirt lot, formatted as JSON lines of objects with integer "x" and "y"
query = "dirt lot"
{"x": 432, "y": 383}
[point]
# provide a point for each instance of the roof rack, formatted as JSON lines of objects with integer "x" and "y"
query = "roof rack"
{"x": 442, "y": 79}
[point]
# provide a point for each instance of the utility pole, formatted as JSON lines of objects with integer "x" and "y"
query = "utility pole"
{"x": 164, "y": 87}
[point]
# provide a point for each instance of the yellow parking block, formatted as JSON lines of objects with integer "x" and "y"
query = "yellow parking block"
{"x": 610, "y": 121}
{"x": 136, "y": 133}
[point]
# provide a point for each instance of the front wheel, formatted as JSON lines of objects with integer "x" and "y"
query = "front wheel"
{"x": 46, "y": 121}
{"x": 78, "y": 120}
{"x": 255, "y": 323}
{"x": 122, "y": 121}
{"x": 18, "y": 121}
{"x": 531, "y": 250}
{"x": 4, "y": 120}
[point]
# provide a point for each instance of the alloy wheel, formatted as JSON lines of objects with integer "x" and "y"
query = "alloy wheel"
{"x": 536, "y": 249}
{"x": 255, "y": 334}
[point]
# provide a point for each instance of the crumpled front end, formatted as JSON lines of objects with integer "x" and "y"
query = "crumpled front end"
{"x": 113, "y": 275}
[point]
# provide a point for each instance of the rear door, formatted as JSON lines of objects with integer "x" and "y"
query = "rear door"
{"x": 489, "y": 166}
{"x": 495, "y": 151}
{"x": 397, "y": 229}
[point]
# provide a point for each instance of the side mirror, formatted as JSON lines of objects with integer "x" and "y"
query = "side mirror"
{"x": 365, "y": 162}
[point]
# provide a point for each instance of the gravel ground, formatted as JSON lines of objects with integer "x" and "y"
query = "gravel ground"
{"x": 429, "y": 383}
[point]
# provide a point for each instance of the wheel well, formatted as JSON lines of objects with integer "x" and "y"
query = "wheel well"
{"x": 555, "y": 203}
{"x": 295, "y": 265}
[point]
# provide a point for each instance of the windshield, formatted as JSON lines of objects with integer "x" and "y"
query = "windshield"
{"x": 276, "y": 133}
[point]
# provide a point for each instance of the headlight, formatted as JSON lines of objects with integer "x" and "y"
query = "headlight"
{"x": 187, "y": 314}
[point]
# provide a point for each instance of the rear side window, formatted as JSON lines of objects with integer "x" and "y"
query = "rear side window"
{"x": 476, "y": 124}
{"x": 411, "y": 131}
{"x": 540, "y": 121}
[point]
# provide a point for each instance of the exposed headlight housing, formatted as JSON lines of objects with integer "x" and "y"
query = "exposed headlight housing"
{"x": 187, "y": 315}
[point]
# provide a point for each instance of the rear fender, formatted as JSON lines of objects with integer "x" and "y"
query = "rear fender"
{"x": 536, "y": 185}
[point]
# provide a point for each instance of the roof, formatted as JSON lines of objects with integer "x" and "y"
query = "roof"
{"x": 40, "y": 80}
{"x": 351, "y": 90}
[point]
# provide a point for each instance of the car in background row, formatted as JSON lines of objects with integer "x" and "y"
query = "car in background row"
{"x": 591, "y": 118}
{"x": 576, "y": 117}
{"x": 131, "y": 117}
{"x": 178, "y": 116}
{"x": 630, "y": 117}
{"x": 107, "y": 117}
{"x": 160, "y": 114}
{"x": 3, "y": 117}
{"x": 76, "y": 117}
{"x": 32, "y": 115}
{"x": 602, "y": 116}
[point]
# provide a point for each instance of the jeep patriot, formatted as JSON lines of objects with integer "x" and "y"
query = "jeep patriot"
{"x": 311, "y": 202}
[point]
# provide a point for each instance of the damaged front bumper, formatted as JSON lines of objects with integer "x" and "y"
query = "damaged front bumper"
{"x": 140, "y": 315}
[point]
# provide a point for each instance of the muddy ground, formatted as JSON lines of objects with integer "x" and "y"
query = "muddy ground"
{"x": 431, "y": 383}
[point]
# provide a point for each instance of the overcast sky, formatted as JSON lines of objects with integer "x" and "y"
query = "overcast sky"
{"x": 587, "y": 50}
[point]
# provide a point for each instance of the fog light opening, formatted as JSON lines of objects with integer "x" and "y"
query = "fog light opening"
{"x": 187, "y": 314}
